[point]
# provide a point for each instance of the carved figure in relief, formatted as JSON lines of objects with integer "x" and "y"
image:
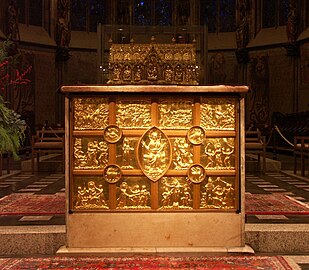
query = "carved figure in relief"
{"x": 138, "y": 73}
{"x": 116, "y": 73}
{"x": 178, "y": 74}
{"x": 218, "y": 154}
{"x": 227, "y": 151}
{"x": 196, "y": 135}
{"x": 90, "y": 114}
{"x": 112, "y": 173}
{"x": 175, "y": 194}
{"x": 92, "y": 154}
{"x": 155, "y": 152}
{"x": 183, "y": 155}
{"x": 127, "y": 73}
{"x": 133, "y": 197}
{"x": 90, "y": 196}
{"x": 218, "y": 194}
{"x": 168, "y": 74}
{"x": 95, "y": 156}
{"x": 126, "y": 154}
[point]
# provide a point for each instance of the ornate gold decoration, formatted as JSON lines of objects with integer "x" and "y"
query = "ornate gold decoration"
{"x": 90, "y": 197}
{"x": 133, "y": 114}
{"x": 133, "y": 196}
{"x": 112, "y": 173}
{"x": 154, "y": 153}
{"x": 153, "y": 64}
{"x": 196, "y": 173}
{"x": 219, "y": 153}
{"x": 175, "y": 114}
{"x": 196, "y": 135}
{"x": 218, "y": 113}
{"x": 90, "y": 153}
{"x": 176, "y": 193}
{"x": 182, "y": 154}
{"x": 218, "y": 194}
{"x": 112, "y": 134}
{"x": 90, "y": 113}
{"x": 126, "y": 157}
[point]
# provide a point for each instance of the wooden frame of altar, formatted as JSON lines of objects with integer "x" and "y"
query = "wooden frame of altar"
{"x": 154, "y": 168}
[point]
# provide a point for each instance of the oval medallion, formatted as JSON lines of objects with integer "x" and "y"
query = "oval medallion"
{"x": 196, "y": 173}
{"x": 196, "y": 135}
{"x": 112, "y": 134}
{"x": 112, "y": 173}
{"x": 154, "y": 153}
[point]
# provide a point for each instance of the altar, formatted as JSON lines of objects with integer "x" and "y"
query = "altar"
{"x": 157, "y": 168}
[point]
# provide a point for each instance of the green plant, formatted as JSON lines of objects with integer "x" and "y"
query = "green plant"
{"x": 12, "y": 127}
{"x": 11, "y": 130}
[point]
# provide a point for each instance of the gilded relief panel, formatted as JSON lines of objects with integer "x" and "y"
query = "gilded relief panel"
{"x": 175, "y": 114}
{"x": 175, "y": 193}
{"x": 218, "y": 193}
{"x": 218, "y": 113}
{"x": 90, "y": 113}
{"x": 126, "y": 153}
{"x": 154, "y": 153}
{"x": 133, "y": 114}
{"x": 218, "y": 153}
{"x": 90, "y": 193}
{"x": 133, "y": 193}
{"x": 90, "y": 153}
{"x": 182, "y": 154}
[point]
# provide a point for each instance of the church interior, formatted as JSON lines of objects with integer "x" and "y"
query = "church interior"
{"x": 155, "y": 134}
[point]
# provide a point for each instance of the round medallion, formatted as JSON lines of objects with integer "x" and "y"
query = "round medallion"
{"x": 196, "y": 135}
{"x": 112, "y": 134}
{"x": 196, "y": 173}
{"x": 112, "y": 173}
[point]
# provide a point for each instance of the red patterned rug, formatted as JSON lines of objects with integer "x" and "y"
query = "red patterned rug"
{"x": 151, "y": 262}
{"x": 274, "y": 204}
{"x": 54, "y": 204}
{"x": 35, "y": 204}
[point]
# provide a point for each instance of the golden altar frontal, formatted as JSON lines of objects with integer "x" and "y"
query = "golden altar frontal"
{"x": 154, "y": 166}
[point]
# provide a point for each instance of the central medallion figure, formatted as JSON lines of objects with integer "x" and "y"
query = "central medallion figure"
{"x": 154, "y": 153}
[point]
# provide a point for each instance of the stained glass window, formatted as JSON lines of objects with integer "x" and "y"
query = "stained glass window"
{"x": 227, "y": 15}
{"x": 209, "y": 14}
{"x": 35, "y": 12}
{"x": 96, "y": 11}
{"x": 269, "y": 13}
{"x": 183, "y": 12}
{"x": 283, "y": 11}
{"x": 163, "y": 12}
{"x": 219, "y": 15}
{"x": 123, "y": 12}
{"x": 21, "y": 11}
{"x": 78, "y": 15}
{"x": 142, "y": 12}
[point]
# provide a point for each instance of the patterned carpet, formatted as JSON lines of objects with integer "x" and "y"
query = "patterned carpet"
{"x": 274, "y": 204}
{"x": 53, "y": 204}
{"x": 134, "y": 263}
{"x": 32, "y": 204}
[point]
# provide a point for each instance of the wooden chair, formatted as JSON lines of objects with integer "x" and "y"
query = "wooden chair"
{"x": 301, "y": 149}
{"x": 44, "y": 142}
{"x": 255, "y": 144}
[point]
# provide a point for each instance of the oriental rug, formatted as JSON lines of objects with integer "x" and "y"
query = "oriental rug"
{"x": 274, "y": 204}
{"x": 32, "y": 204}
{"x": 151, "y": 262}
